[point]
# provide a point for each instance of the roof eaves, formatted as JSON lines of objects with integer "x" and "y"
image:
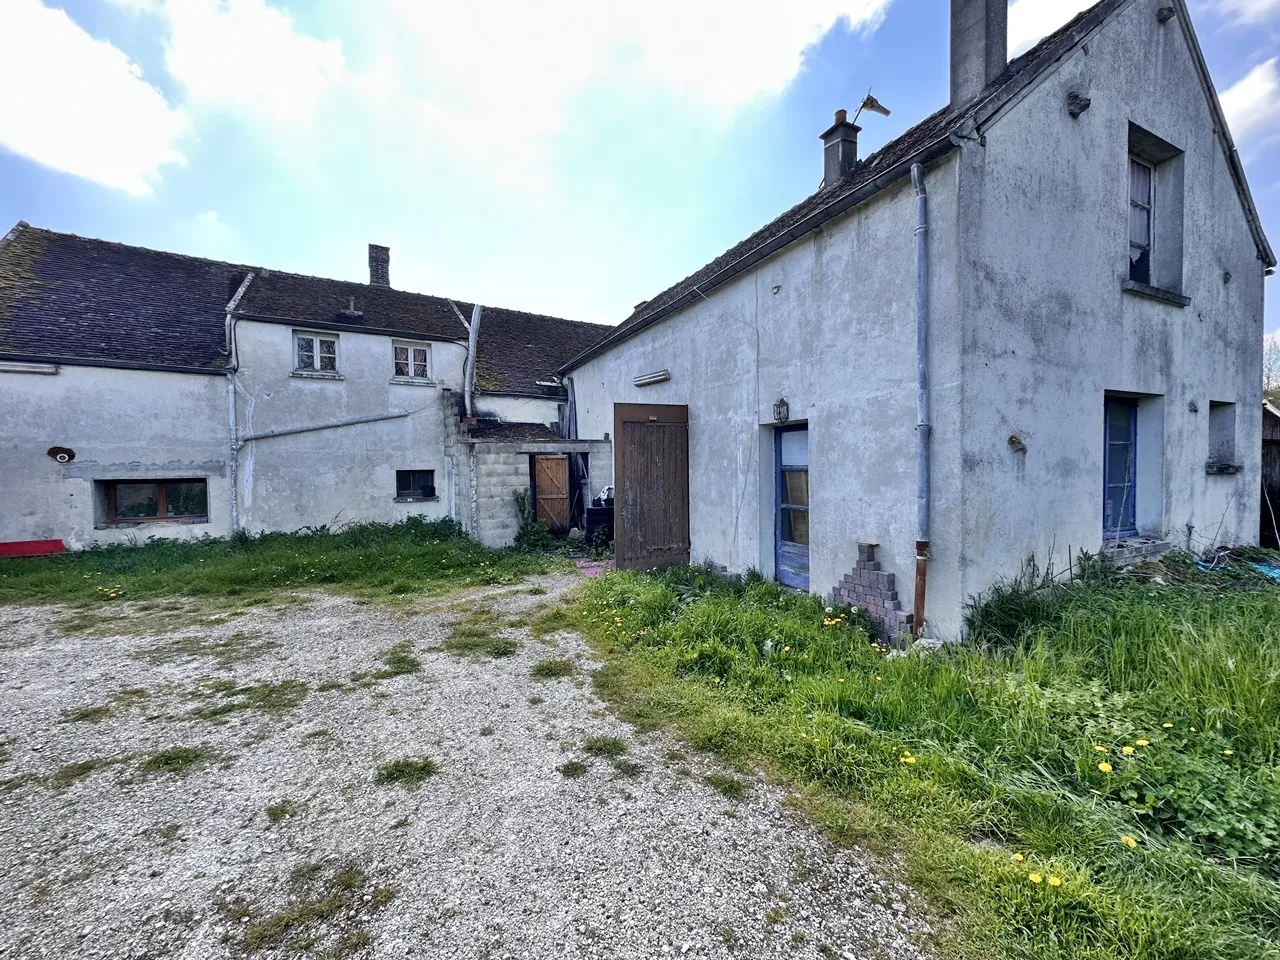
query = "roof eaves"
{"x": 113, "y": 364}
{"x": 926, "y": 154}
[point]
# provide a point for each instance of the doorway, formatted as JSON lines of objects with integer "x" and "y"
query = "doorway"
{"x": 651, "y": 476}
{"x": 1119, "y": 468}
{"x": 791, "y": 506}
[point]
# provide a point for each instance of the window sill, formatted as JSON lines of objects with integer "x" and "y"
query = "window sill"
{"x": 1155, "y": 293}
{"x": 149, "y": 522}
{"x": 413, "y": 381}
{"x": 316, "y": 375}
{"x": 415, "y": 499}
{"x": 1219, "y": 468}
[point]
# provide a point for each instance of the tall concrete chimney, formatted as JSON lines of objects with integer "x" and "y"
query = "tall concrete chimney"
{"x": 979, "y": 46}
{"x": 379, "y": 265}
{"x": 839, "y": 149}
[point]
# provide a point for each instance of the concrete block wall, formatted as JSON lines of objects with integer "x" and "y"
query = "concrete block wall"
{"x": 499, "y": 473}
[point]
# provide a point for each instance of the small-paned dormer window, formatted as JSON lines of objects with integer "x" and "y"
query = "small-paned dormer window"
{"x": 412, "y": 361}
{"x": 316, "y": 353}
{"x": 1142, "y": 182}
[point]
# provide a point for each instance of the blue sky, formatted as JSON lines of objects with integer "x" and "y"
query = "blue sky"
{"x": 561, "y": 156}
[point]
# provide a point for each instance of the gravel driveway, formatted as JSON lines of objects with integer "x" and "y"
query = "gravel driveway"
{"x": 214, "y": 792}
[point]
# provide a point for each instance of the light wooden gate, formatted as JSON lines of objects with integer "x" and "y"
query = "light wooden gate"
{"x": 651, "y": 476}
{"x": 551, "y": 489}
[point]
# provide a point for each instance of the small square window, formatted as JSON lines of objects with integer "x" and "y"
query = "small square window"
{"x": 411, "y": 361}
{"x": 316, "y": 352}
{"x": 415, "y": 484}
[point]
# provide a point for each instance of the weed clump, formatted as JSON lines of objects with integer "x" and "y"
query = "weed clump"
{"x": 406, "y": 772}
{"x": 572, "y": 769}
{"x": 175, "y": 760}
{"x": 553, "y": 669}
{"x": 610, "y": 747}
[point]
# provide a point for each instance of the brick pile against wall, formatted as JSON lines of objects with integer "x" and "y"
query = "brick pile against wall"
{"x": 876, "y": 591}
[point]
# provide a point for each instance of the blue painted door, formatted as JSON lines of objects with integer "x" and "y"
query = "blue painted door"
{"x": 1119, "y": 468}
{"x": 791, "y": 551}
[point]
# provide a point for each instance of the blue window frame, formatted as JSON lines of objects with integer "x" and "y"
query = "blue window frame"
{"x": 791, "y": 506}
{"x": 1119, "y": 467}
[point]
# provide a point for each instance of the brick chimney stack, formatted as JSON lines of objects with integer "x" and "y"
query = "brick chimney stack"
{"x": 379, "y": 265}
{"x": 839, "y": 149}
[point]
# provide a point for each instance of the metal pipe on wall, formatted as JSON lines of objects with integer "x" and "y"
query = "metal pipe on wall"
{"x": 469, "y": 368}
{"x": 923, "y": 429}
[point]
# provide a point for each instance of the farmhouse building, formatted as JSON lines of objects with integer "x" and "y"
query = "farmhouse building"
{"x": 1029, "y": 326}
{"x": 151, "y": 394}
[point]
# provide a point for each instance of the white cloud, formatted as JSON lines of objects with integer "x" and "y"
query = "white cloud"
{"x": 1242, "y": 12}
{"x": 82, "y": 106}
{"x": 1032, "y": 20}
{"x": 1252, "y": 103}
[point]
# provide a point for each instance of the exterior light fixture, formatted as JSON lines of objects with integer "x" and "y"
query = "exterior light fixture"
{"x": 781, "y": 410}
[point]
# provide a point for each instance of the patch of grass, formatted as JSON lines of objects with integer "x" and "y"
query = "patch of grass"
{"x": 1093, "y": 777}
{"x": 283, "y": 810}
{"x": 399, "y": 660}
{"x": 229, "y": 651}
{"x": 315, "y": 734}
{"x": 535, "y": 700}
{"x": 611, "y": 747}
{"x": 552, "y": 669}
{"x": 176, "y": 760}
{"x": 552, "y": 620}
{"x": 727, "y": 786}
{"x": 324, "y": 686}
{"x": 69, "y": 773}
{"x": 400, "y": 824}
{"x": 572, "y": 769}
{"x": 381, "y": 896}
{"x": 477, "y": 642}
{"x": 269, "y": 697}
{"x": 486, "y": 731}
{"x": 627, "y": 767}
{"x": 86, "y": 714}
{"x": 406, "y": 772}
{"x": 164, "y": 834}
{"x": 377, "y": 561}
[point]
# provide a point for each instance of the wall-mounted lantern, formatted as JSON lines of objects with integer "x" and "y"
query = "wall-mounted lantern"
{"x": 781, "y": 410}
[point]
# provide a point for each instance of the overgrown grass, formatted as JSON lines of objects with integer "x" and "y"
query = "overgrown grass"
{"x": 378, "y": 560}
{"x": 552, "y": 669}
{"x": 1095, "y": 778}
{"x": 175, "y": 760}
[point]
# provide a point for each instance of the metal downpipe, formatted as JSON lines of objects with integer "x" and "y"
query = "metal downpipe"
{"x": 922, "y": 398}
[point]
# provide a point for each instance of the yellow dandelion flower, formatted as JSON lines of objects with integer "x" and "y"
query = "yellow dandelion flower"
{"x": 1099, "y": 749}
{"x": 1127, "y": 751}
{"x": 786, "y": 649}
{"x": 1035, "y": 877}
{"x": 1143, "y": 743}
{"x": 1167, "y": 726}
{"x": 1129, "y": 842}
{"x": 1105, "y": 767}
{"x": 877, "y": 679}
{"x": 1055, "y": 881}
{"x": 840, "y": 680}
{"x": 1229, "y": 753}
{"x": 1018, "y": 858}
{"x": 906, "y": 758}
{"x": 715, "y": 679}
{"x": 1193, "y": 729}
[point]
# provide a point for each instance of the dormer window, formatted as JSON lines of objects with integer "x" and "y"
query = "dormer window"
{"x": 411, "y": 361}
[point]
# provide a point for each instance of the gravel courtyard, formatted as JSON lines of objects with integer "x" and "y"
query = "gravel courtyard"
{"x": 229, "y": 788}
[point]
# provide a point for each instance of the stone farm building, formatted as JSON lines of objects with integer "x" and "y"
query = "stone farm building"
{"x": 152, "y": 394}
{"x": 1029, "y": 326}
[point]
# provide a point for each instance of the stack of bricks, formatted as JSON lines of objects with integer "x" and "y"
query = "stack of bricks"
{"x": 874, "y": 590}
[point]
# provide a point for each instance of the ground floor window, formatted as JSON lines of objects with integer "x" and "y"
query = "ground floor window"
{"x": 415, "y": 484}
{"x": 150, "y": 500}
{"x": 1120, "y": 460}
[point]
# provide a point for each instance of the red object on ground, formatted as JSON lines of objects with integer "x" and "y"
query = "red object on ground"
{"x": 31, "y": 548}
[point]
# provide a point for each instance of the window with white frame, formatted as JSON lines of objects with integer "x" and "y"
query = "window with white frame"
{"x": 1142, "y": 184}
{"x": 412, "y": 361}
{"x": 315, "y": 353}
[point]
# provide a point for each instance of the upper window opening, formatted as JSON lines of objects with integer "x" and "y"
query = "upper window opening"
{"x": 411, "y": 360}
{"x": 315, "y": 352}
{"x": 1142, "y": 179}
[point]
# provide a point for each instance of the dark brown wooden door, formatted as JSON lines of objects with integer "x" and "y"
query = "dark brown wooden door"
{"x": 651, "y": 474}
{"x": 551, "y": 488}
